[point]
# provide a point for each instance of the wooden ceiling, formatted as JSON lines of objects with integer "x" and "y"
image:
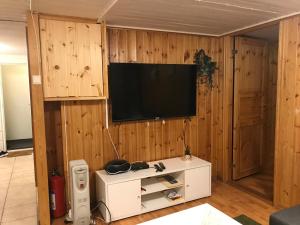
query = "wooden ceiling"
{"x": 209, "y": 17}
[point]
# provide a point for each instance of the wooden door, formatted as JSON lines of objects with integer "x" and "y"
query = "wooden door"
{"x": 71, "y": 54}
{"x": 249, "y": 104}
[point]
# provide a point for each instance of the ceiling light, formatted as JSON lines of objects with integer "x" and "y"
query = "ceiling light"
{"x": 5, "y": 47}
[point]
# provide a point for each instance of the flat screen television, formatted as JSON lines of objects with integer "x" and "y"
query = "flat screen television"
{"x": 151, "y": 91}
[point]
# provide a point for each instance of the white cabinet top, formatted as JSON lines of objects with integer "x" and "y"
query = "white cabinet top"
{"x": 172, "y": 165}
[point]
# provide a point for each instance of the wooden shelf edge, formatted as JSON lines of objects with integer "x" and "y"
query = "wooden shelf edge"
{"x": 73, "y": 98}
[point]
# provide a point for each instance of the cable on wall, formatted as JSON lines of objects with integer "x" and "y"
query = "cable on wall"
{"x": 108, "y": 132}
{"x": 66, "y": 149}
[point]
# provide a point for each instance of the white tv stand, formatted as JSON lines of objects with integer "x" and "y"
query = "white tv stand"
{"x": 134, "y": 193}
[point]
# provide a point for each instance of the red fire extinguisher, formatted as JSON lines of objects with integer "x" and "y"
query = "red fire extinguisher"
{"x": 57, "y": 195}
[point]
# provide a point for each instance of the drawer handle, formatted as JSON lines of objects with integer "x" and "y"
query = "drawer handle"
{"x": 138, "y": 197}
{"x": 187, "y": 185}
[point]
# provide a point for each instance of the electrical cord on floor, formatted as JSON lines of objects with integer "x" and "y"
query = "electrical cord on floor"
{"x": 93, "y": 220}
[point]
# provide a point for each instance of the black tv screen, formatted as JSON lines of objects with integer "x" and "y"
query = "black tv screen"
{"x": 152, "y": 91}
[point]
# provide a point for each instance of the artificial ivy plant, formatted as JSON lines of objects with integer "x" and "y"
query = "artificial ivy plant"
{"x": 205, "y": 67}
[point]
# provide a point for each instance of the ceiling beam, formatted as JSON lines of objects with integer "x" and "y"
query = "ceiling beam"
{"x": 105, "y": 10}
{"x": 161, "y": 30}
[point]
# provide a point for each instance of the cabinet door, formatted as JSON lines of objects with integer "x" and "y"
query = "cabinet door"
{"x": 71, "y": 56}
{"x": 197, "y": 183}
{"x": 124, "y": 199}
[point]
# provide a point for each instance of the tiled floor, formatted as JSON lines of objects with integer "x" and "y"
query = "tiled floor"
{"x": 17, "y": 191}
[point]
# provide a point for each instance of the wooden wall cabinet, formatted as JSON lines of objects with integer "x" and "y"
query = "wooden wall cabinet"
{"x": 72, "y": 59}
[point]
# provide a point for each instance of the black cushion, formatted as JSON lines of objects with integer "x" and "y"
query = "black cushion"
{"x": 290, "y": 216}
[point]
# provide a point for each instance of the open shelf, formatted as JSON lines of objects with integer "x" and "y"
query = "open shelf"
{"x": 157, "y": 184}
{"x": 158, "y": 200}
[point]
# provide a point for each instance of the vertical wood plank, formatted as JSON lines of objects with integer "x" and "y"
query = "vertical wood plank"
{"x": 38, "y": 121}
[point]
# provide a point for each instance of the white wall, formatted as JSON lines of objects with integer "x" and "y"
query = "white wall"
{"x": 16, "y": 94}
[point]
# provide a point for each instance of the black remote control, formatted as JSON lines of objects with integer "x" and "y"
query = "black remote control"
{"x": 161, "y": 165}
{"x": 158, "y": 169}
{"x": 170, "y": 179}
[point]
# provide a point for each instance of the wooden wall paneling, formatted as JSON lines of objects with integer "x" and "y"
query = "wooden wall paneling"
{"x": 181, "y": 48}
{"x": 131, "y": 141}
{"x": 131, "y": 46}
{"x": 53, "y": 128}
{"x": 148, "y": 47}
{"x": 113, "y": 128}
{"x": 296, "y": 170}
{"x": 152, "y": 141}
{"x": 220, "y": 107}
{"x": 187, "y": 54}
{"x": 158, "y": 135}
{"x": 228, "y": 108}
{"x": 268, "y": 153}
{"x": 83, "y": 127}
{"x": 38, "y": 121}
{"x": 285, "y": 113}
{"x": 122, "y": 45}
{"x": 146, "y": 140}
{"x": 164, "y": 47}
{"x": 122, "y": 142}
{"x": 105, "y": 58}
{"x": 96, "y": 138}
{"x": 296, "y": 174}
{"x": 215, "y": 116}
{"x": 113, "y": 45}
{"x": 165, "y": 139}
{"x": 158, "y": 47}
{"x": 143, "y": 141}
{"x": 172, "y": 48}
{"x": 140, "y": 46}
{"x": 87, "y": 140}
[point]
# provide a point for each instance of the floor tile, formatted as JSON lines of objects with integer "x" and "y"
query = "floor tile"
{"x": 22, "y": 181}
{"x": 4, "y": 184}
{"x": 18, "y": 213}
{"x": 23, "y": 173}
{"x": 5, "y": 175}
{"x": 6, "y": 163}
{"x": 20, "y": 195}
{"x": 27, "y": 221}
{"x": 17, "y": 191}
